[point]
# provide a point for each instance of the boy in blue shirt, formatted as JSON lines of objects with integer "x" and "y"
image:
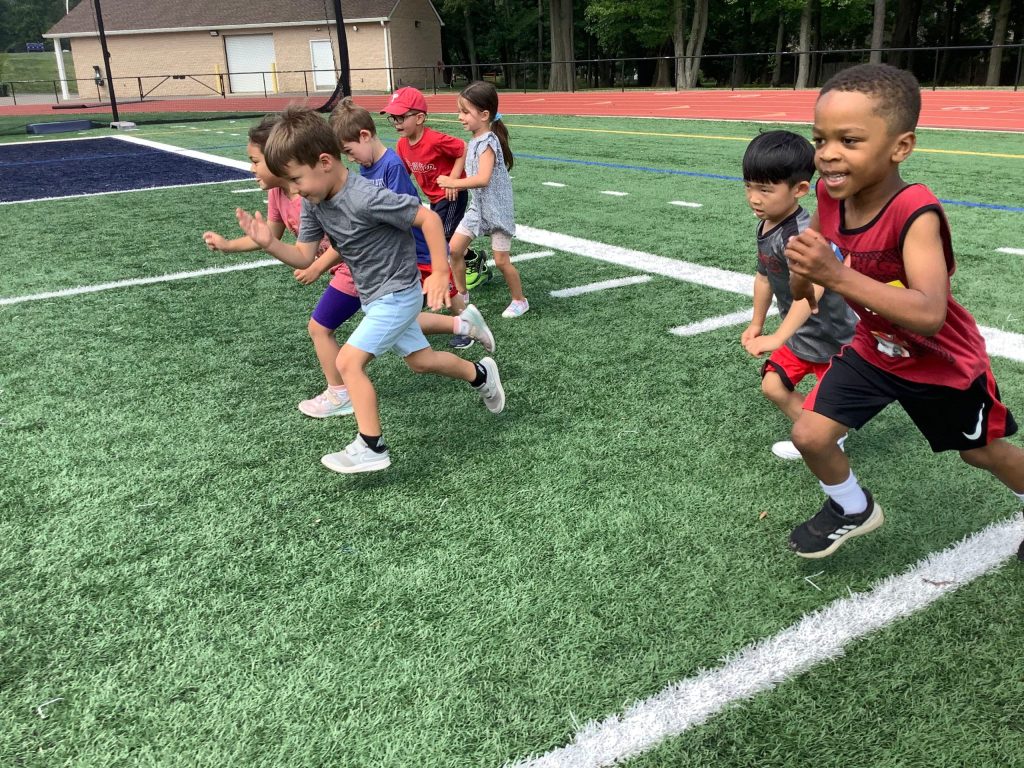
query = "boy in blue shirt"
{"x": 371, "y": 227}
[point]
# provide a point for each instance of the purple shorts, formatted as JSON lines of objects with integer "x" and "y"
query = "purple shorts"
{"x": 334, "y": 308}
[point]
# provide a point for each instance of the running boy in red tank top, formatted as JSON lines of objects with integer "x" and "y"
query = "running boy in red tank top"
{"x": 914, "y": 343}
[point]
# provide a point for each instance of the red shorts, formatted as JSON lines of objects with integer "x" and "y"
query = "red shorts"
{"x": 792, "y": 369}
{"x": 426, "y": 271}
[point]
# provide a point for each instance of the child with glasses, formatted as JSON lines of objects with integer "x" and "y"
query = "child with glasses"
{"x": 427, "y": 154}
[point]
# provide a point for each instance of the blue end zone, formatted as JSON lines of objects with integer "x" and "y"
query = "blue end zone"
{"x": 92, "y": 166}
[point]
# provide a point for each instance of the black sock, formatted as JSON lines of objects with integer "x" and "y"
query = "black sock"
{"x": 481, "y": 376}
{"x": 374, "y": 442}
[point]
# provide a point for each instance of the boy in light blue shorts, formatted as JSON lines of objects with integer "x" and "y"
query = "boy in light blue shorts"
{"x": 371, "y": 227}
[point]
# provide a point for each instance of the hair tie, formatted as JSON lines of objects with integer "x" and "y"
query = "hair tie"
{"x": 497, "y": 116}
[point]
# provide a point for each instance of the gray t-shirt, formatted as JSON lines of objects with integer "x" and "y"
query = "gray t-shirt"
{"x": 832, "y": 327}
{"x": 372, "y": 229}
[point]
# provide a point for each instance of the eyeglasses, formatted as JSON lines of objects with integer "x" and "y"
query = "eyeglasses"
{"x": 396, "y": 119}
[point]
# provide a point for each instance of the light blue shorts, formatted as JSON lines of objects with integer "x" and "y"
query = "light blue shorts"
{"x": 389, "y": 323}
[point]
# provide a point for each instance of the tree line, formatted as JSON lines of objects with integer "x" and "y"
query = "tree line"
{"x": 673, "y": 35}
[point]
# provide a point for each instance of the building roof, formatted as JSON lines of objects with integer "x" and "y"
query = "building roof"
{"x": 122, "y": 16}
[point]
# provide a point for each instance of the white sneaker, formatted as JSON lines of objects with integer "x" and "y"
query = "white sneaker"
{"x": 327, "y": 404}
{"x": 478, "y": 327}
{"x": 785, "y": 449}
{"x": 357, "y": 457}
{"x": 491, "y": 390}
{"x": 516, "y": 309}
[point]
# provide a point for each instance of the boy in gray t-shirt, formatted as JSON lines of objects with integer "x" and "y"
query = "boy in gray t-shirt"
{"x": 371, "y": 228}
{"x": 777, "y": 169}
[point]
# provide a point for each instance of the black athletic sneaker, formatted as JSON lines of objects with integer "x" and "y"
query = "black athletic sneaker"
{"x": 460, "y": 342}
{"x": 828, "y": 530}
{"x": 1020, "y": 551}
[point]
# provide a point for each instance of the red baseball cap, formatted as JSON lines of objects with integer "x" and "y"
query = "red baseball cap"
{"x": 404, "y": 100}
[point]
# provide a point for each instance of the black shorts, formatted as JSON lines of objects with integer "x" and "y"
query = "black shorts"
{"x": 451, "y": 212}
{"x": 853, "y": 391}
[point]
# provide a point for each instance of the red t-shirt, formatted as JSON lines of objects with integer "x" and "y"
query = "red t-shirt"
{"x": 953, "y": 357}
{"x": 432, "y": 156}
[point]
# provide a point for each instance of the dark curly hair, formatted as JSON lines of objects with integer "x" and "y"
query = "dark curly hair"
{"x": 896, "y": 92}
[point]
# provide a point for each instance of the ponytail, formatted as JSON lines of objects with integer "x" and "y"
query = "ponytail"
{"x": 498, "y": 129}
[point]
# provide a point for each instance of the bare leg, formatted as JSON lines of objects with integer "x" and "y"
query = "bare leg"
{"x": 352, "y": 364}
{"x": 815, "y": 437}
{"x": 511, "y": 275}
{"x": 327, "y": 349}
{"x": 790, "y": 402}
{"x": 429, "y": 360}
{"x": 1003, "y": 459}
{"x": 457, "y": 256}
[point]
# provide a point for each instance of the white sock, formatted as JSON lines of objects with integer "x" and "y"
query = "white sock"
{"x": 461, "y": 327}
{"x": 848, "y": 495}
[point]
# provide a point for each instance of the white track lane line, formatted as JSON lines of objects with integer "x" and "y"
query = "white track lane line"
{"x": 138, "y": 281}
{"x": 714, "y": 323}
{"x": 761, "y": 666}
{"x": 604, "y": 285}
{"x": 1000, "y": 343}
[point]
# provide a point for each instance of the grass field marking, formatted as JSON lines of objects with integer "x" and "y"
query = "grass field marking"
{"x": 613, "y": 193}
{"x": 45, "y": 140}
{"x": 685, "y": 204}
{"x": 138, "y": 281}
{"x": 1001, "y": 343}
{"x": 525, "y": 257}
{"x": 714, "y": 137}
{"x": 1011, "y": 251}
{"x": 552, "y": 184}
{"x": 722, "y": 321}
{"x": 241, "y": 191}
{"x": 603, "y": 285}
{"x": 761, "y": 666}
{"x": 119, "y": 192}
{"x": 193, "y": 153}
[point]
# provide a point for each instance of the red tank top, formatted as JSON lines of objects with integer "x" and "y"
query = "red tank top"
{"x": 953, "y": 357}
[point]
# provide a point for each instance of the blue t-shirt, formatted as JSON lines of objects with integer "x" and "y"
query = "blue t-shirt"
{"x": 389, "y": 172}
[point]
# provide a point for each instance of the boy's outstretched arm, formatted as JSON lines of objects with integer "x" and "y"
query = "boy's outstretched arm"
{"x": 436, "y": 285}
{"x": 919, "y": 307}
{"x": 298, "y": 256}
{"x": 458, "y": 169}
{"x": 216, "y": 242}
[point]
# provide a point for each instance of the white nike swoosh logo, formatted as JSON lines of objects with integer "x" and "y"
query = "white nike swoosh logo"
{"x": 977, "y": 430}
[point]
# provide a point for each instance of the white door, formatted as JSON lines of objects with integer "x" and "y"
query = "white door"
{"x": 325, "y": 76}
{"x": 249, "y": 56}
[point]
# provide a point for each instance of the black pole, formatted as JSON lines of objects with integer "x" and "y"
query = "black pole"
{"x": 344, "y": 86}
{"x": 106, "y": 60}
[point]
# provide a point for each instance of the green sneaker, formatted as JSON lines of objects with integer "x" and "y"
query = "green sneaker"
{"x": 477, "y": 271}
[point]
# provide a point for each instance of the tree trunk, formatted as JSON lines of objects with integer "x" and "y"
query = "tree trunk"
{"x": 803, "y": 67}
{"x": 995, "y": 59}
{"x": 471, "y": 48}
{"x": 780, "y": 41}
{"x": 562, "y": 51}
{"x": 679, "y": 41}
{"x": 904, "y": 33}
{"x": 695, "y": 45}
{"x": 816, "y": 46}
{"x": 877, "y": 31}
{"x": 662, "y": 74}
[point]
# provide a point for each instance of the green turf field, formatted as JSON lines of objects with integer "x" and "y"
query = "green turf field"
{"x": 185, "y": 585}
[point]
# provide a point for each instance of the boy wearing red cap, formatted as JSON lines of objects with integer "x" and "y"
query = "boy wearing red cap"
{"x": 428, "y": 154}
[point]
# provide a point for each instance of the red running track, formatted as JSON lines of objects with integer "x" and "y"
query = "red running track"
{"x": 991, "y": 110}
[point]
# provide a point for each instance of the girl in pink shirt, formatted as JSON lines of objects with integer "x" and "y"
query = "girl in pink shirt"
{"x": 339, "y": 301}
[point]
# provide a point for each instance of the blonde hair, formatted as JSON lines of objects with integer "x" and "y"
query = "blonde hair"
{"x": 347, "y": 120}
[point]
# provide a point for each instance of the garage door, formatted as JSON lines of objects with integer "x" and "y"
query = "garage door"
{"x": 248, "y": 57}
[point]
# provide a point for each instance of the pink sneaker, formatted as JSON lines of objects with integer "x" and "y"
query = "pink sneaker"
{"x": 327, "y": 404}
{"x": 516, "y": 309}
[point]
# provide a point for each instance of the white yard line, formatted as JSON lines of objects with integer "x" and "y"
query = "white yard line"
{"x": 138, "y": 281}
{"x": 1012, "y": 251}
{"x": 614, "y": 193}
{"x": 685, "y": 204}
{"x": 120, "y": 191}
{"x": 714, "y": 323}
{"x": 604, "y": 285}
{"x": 1000, "y": 343}
{"x": 525, "y": 257}
{"x": 552, "y": 184}
{"x": 759, "y": 667}
{"x": 243, "y": 191}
